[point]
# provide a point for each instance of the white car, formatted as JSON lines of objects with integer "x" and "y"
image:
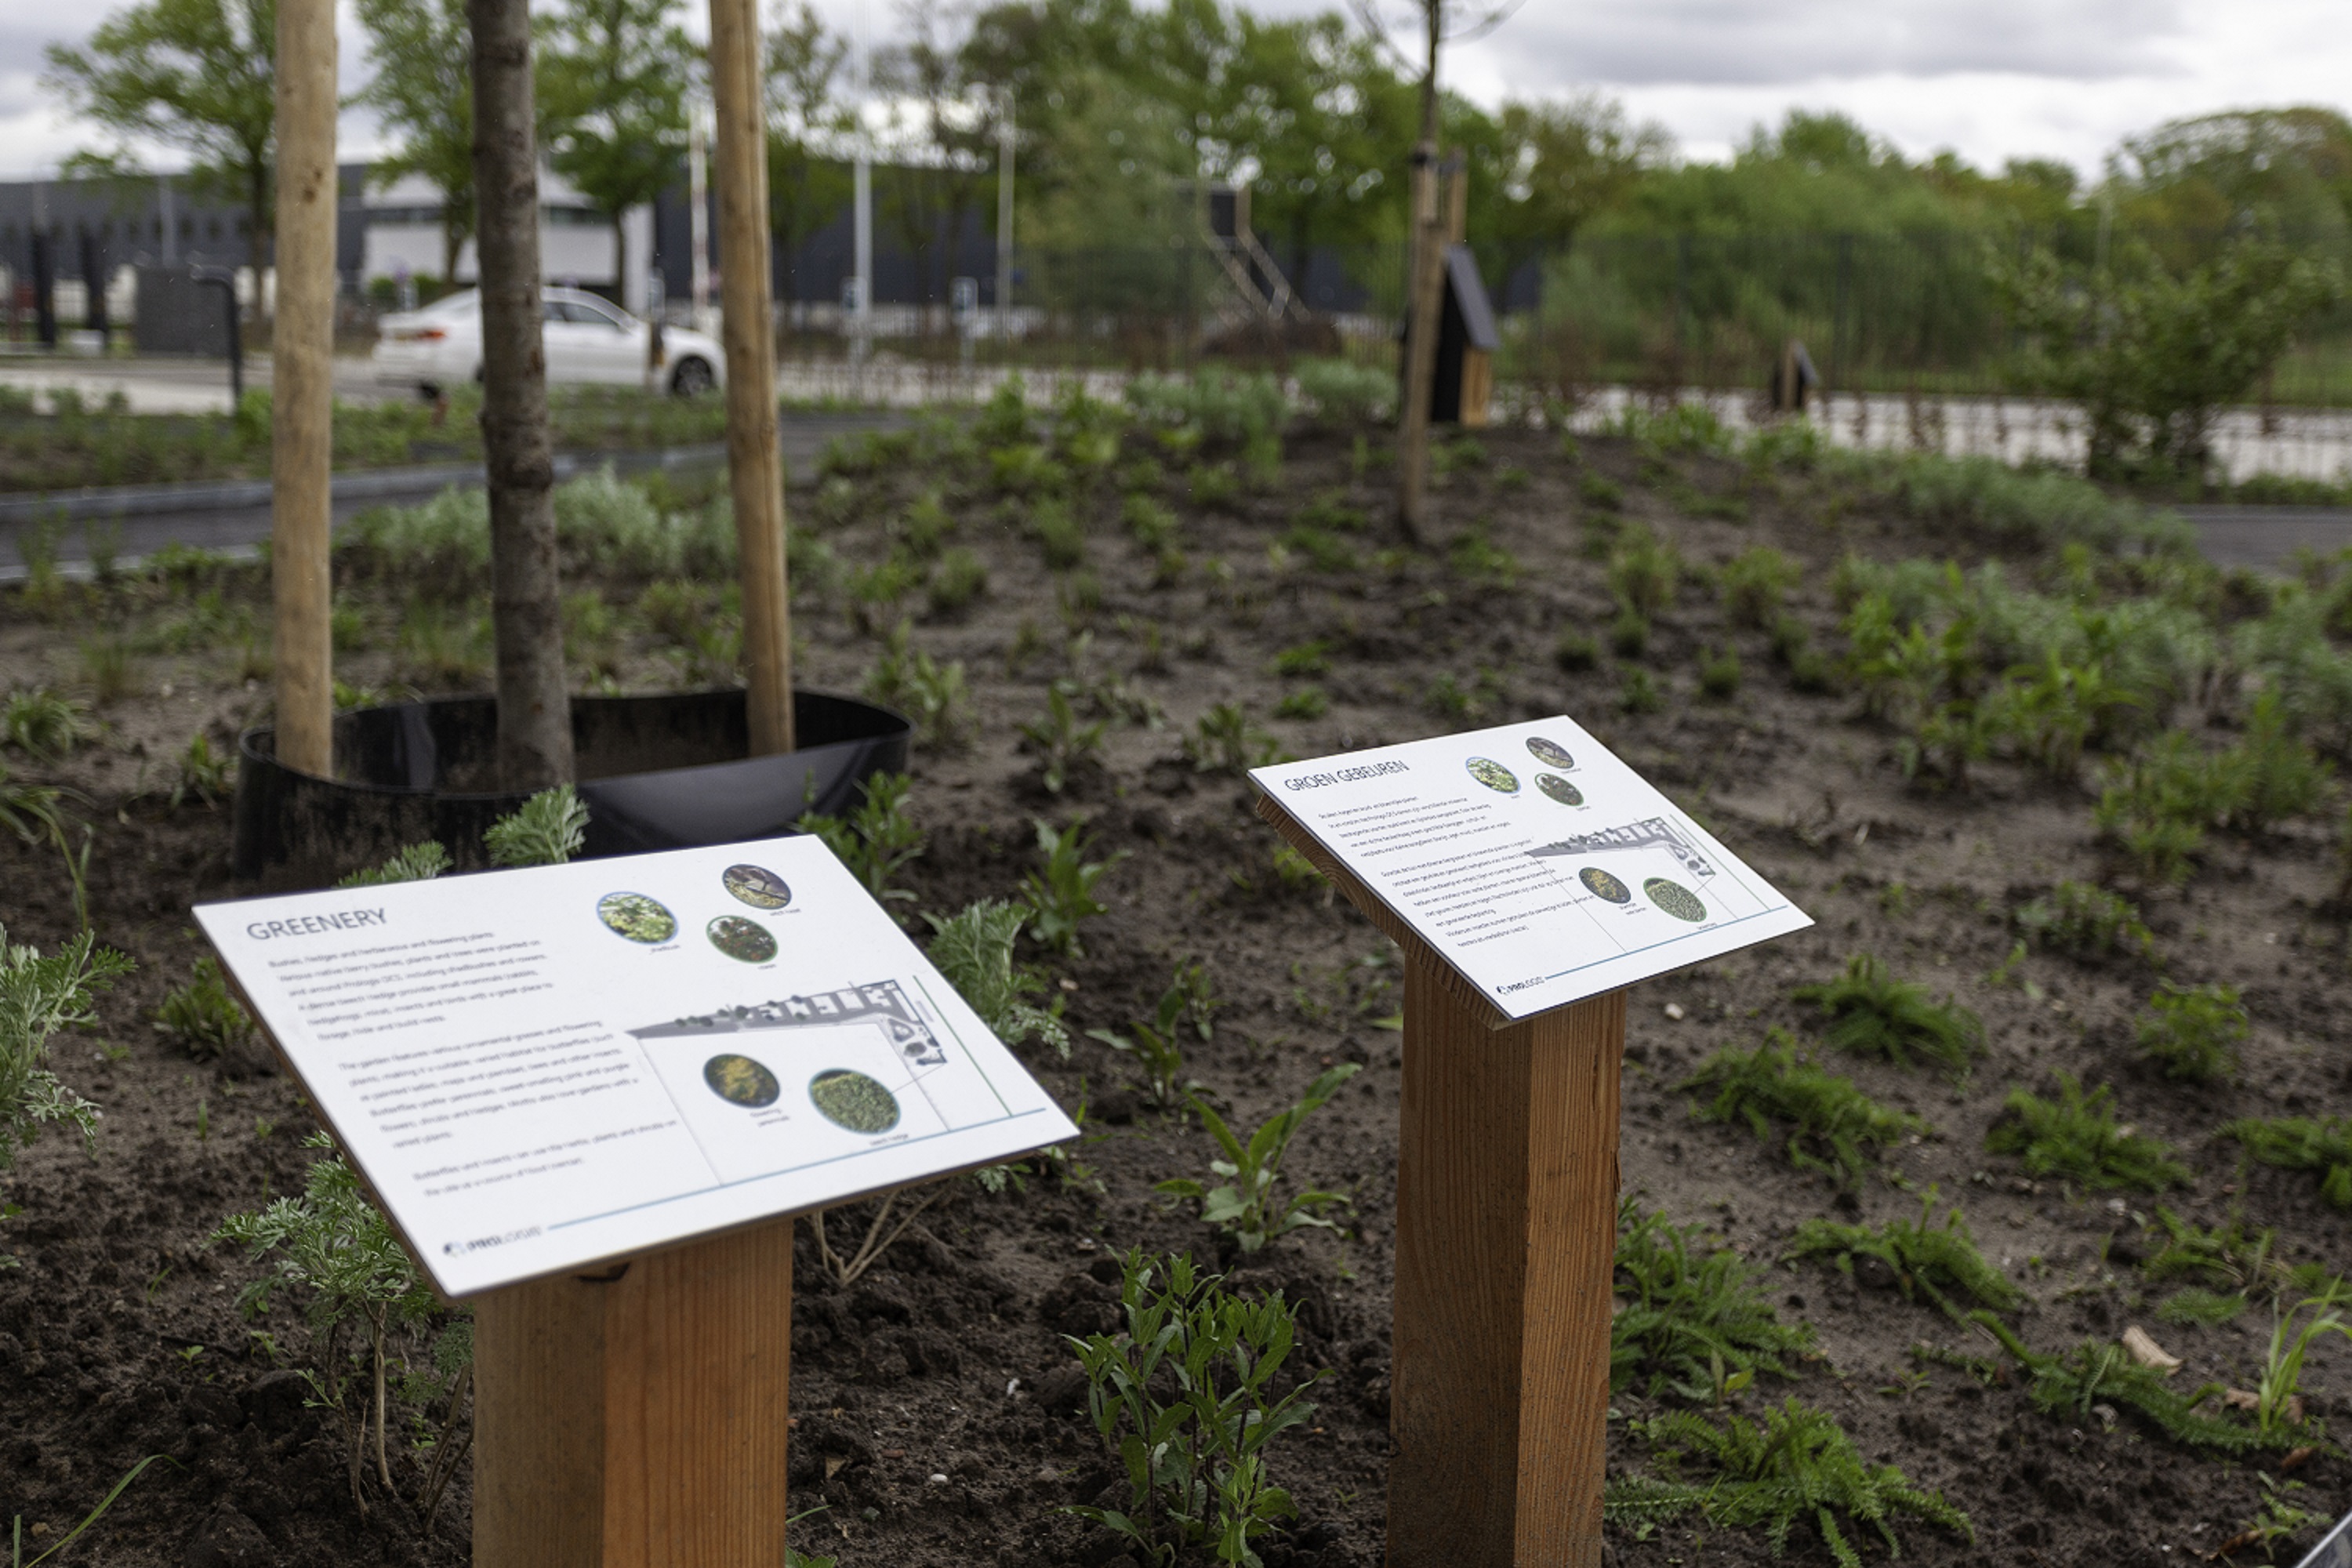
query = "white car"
{"x": 588, "y": 339}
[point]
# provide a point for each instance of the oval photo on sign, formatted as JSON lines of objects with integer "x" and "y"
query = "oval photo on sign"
{"x": 1559, "y": 789}
{"x": 739, "y": 1080}
{"x": 756, "y": 886}
{"x": 1493, "y": 775}
{"x": 739, "y": 938}
{"x": 852, "y": 1100}
{"x": 636, "y": 917}
{"x": 1601, "y": 885}
{"x": 1551, "y": 753}
{"x": 1675, "y": 899}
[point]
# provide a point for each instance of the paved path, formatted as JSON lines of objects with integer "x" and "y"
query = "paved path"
{"x": 2267, "y": 536}
{"x": 155, "y": 385}
{"x": 234, "y": 515}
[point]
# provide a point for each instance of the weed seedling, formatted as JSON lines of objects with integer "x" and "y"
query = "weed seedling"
{"x": 911, "y": 681}
{"x": 1576, "y": 652}
{"x": 973, "y": 949}
{"x": 1691, "y": 1311}
{"x": 202, "y": 1017}
{"x": 2075, "y": 1136}
{"x": 1246, "y": 1204}
{"x": 1629, "y": 634}
{"x": 1061, "y": 893}
{"x": 1872, "y": 1013}
{"x": 959, "y": 579}
{"x": 1640, "y": 693}
{"x": 1833, "y": 1125}
{"x": 2193, "y": 1032}
{"x": 1184, "y": 1401}
{"x": 1060, "y": 743}
{"x": 1939, "y": 1262}
{"x": 1225, "y": 741}
{"x": 876, "y": 841}
{"x": 1157, "y": 1046}
{"x": 204, "y": 774}
{"x": 1719, "y": 674}
{"x": 1796, "y": 1464}
{"x": 2301, "y": 1143}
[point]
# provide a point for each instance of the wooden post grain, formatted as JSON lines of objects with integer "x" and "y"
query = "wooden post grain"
{"x": 302, "y": 386}
{"x": 755, "y": 466}
{"x": 638, "y": 1421}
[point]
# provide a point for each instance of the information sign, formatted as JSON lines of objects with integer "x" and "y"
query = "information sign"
{"x": 543, "y": 1069}
{"x": 1530, "y": 860}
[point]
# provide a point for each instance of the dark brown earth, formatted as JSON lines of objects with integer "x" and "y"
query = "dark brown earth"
{"x": 119, "y": 1339}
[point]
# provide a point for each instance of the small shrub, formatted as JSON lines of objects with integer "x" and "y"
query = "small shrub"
{"x": 930, "y": 693}
{"x": 39, "y": 998}
{"x": 959, "y": 579}
{"x": 1153, "y": 526}
{"x": 1245, "y": 1203}
{"x": 1643, "y": 571}
{"x": 1833, "y": 1126}
{"x": 1224, "y": 739}
{"x": 1693, "y": 1316}
{"x": 876, "y": 591}
{"x": 973, "y": 950}
{"x": 1939, "y": 1262}
{"x": 1343, "y": 393}
{"x": 876, "y": 840}
{"x": 2086, "y": 921}
{"x": 2193, "y": 1032}
{"x": 2301, "y": 1143}
{"x": 2273, "y": 775}
{"x": 1213, "y": 485}
{"x": 924, "y": 526}
{"x": 1640, "y": 693}
{"x": 1060, "y": 536}
{"x": 548, "y": 829}
{"x": 1796, "y": 1464}
{"x": 1755, "y": 583}
{"x": 1061, "y": 892}
{"x": 203, "y": 1017}
{"x": 1719, "y": 674}
{"x": 43, "y": 724}
{"x": 1185, "y": 1402}
{"x": 1629, "y": 634}
{"x": 416, "y": 863}
{"x": 2158, "y": 805}
{"x": 1601, "y": 493}
{"x": 1869, "y": 1013}
{"x": 1022, "y": 469}
{"x": 1060, "y": 743}
{"x": 2075, "y": 1136}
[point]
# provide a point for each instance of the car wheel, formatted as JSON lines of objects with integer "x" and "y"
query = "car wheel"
{"x": 692, "y": 378}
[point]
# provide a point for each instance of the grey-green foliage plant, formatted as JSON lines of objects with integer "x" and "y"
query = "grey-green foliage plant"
{"x": 2075, "y": 1136}
{"x": 357, "y": 1287}
{"x": 545, "y": 830}
{"x": 878, "y": 839}
{"x": 930, "y": 693}
{"x": 2193, "y": 1031}
{"x": 2071, "y": 1385}
{"x": 2302, "y": 1143}
{"x": 1246, "y": 1204}
{"x": 1225, "y": 740}
{"x": 973, "y": 949}
{"x": 1185, "y": 1402}
{"x": 2086, "y": 921}
{"x": 1939, "y": 1262}
{"x": 1694, "y": 1316}
{"x": 1157, "y": 1046}
{"x": 1344, "y": 394}
{"x": 414, "y": 863}
{"x": 1795, "y": 1465}
{"x": 1869, "y": 1013}
{"x": 1061, "y": 744}
{"x": 38, "y": 997}
{"x": 1832, "y": 1127}
{"x": 203, "y": 1017}
{"x": 1060, "y": 893}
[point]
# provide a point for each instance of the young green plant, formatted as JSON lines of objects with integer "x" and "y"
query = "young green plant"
{"x": 1246, "y": 1204}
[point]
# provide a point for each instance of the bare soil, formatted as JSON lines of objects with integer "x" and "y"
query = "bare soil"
{"x": 939, "y": 1418}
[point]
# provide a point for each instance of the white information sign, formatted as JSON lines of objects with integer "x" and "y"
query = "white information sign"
{"x": 540, "y": 1069}
{"x": 1532, "y": 860}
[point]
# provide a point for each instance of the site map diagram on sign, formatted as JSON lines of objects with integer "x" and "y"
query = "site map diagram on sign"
{"x": 1531, "y": 860}
{"x": 539, "y": 1070}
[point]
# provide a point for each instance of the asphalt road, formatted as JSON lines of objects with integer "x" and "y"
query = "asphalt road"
{"x": 2267, "y": 536}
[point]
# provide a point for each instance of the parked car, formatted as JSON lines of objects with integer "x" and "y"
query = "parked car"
{"x": 588, "y": 339}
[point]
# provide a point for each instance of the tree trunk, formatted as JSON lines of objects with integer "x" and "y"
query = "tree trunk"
{"x": 534, "y": 748}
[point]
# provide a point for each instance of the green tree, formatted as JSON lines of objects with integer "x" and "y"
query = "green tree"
{"x": 423, "y": 54}
{"x": 2151, "y": 353}
{"x": 807, "y": 181}
{"x": 1557, "y": 166}
{"x": 192, "y": 75}
{"x": 612, "y": 84}
{"x": 2281, "y": 172}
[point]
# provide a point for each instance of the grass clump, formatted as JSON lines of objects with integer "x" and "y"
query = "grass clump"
{"x": 1696, "y": 1319}
{"x": 1832, "y": 1126}
{"x": 2075, "y": 1136}
{"x": 1872, "y": 1013}
{"x": 2194, "y": 1031}
{"x": 1939, "y": 1262}
{"x": 2086, "y": 921}
{"x": 1796, "y": 1464}
{"x": 2302, "y": 1143}
{"x": 43, "y": 724}
{"x": 973, "y": 950}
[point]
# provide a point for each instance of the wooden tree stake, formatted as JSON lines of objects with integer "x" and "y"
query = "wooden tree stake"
{"x": 755, "y": 466}
{"x": 1506, "y": 1244}
{"x": 638, "y": 1421}
{"x": 302, "y": 385}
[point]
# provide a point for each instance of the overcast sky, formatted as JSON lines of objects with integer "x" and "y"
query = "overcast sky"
{"x": 1990, "y": 78}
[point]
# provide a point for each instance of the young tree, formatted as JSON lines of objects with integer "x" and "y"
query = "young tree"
{"x": 194, "y": 75}
{"x": 612, "y": 84}
{"x": 422, "y": 51}
{"x": 807, "y": 181}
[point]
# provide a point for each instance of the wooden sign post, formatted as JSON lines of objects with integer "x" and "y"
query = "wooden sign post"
{"x": 1506, "y": 1144}
{"x": 589, "y": 1099}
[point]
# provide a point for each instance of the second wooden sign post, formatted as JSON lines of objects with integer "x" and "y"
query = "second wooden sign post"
{"x": 1520, "y": 927}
